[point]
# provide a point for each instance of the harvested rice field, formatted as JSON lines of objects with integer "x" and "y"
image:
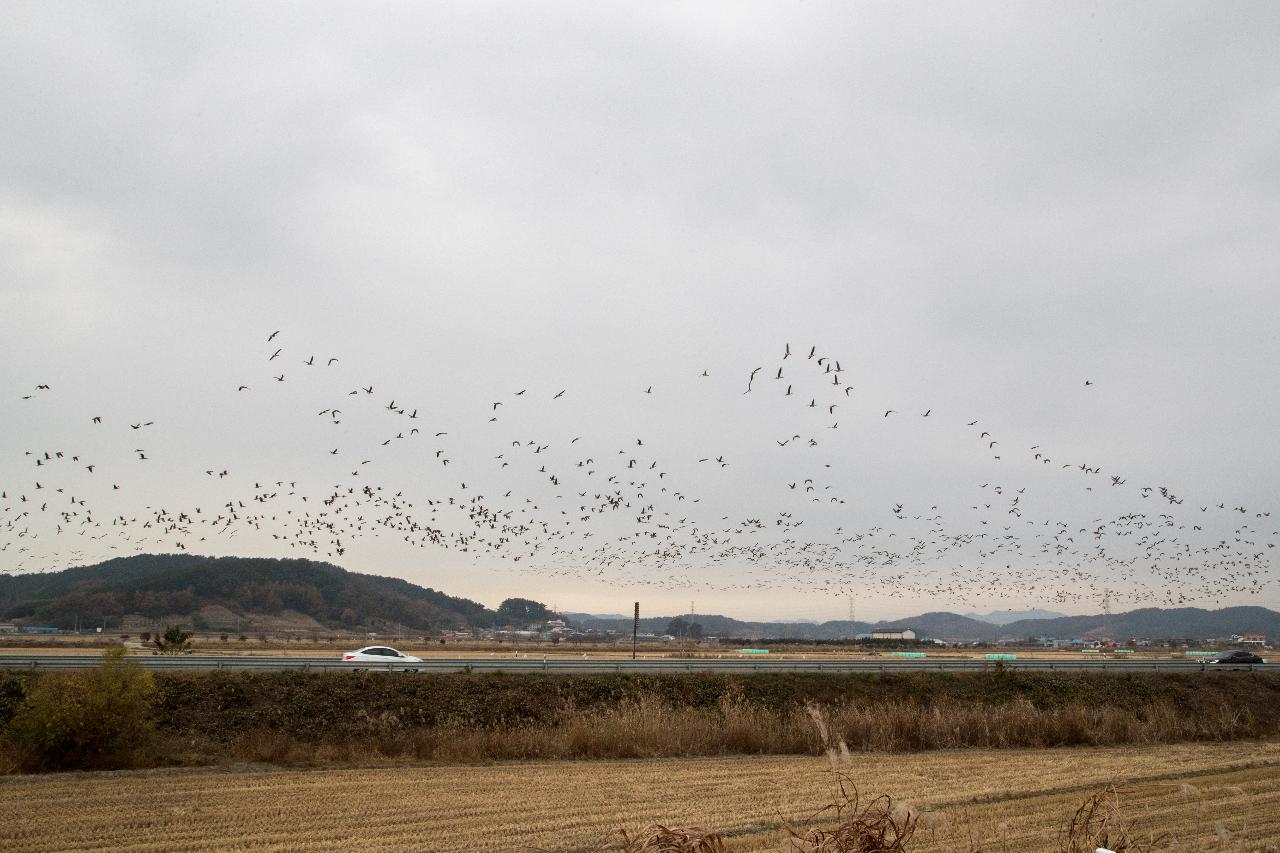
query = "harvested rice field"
{"x": 1205, "y": 796}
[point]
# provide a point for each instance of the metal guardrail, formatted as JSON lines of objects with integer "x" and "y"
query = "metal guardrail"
{"x": 192, "y": 663}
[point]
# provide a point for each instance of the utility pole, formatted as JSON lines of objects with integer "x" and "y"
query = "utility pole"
{"x": 635, "y": 631}
{"x": 1106, "y": 613}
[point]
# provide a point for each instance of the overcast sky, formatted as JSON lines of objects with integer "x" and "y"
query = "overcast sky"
{"x": 974, "y": 207}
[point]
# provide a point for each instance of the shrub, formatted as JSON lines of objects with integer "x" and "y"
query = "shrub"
{"x": 174, "y": 641}
{"x": 97, "y": 719}
{"x": 13, "y": 690}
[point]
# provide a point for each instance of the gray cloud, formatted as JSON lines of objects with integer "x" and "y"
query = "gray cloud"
{"x": 976, "y": 206}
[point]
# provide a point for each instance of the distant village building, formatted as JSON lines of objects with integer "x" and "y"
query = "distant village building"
{"x": 1253, "y": 638}
{"x": 895, "y": 634}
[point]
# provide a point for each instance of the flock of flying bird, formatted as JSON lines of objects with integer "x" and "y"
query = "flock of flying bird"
{"x": 577, "y": 506}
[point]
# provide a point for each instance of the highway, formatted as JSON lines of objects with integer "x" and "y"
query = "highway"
{"x": 246, "y": 663}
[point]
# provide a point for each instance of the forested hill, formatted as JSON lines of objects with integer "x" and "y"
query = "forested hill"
{"x": 168, "y": 585}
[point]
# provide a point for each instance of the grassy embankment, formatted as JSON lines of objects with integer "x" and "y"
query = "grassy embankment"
{"x": 293, "y": 718}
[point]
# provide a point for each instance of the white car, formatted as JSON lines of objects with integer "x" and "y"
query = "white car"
{"x": 382, "y": 655}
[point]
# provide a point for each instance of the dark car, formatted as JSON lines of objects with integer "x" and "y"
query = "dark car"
{"x": 1236, "y": 657}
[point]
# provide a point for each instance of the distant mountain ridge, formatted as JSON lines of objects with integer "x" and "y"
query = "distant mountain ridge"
{"x": 184, "y": 585}
{"x": 1005, "y": 617}
{"x": 1151, "y": 623}
{"x": 1156, "y": 623}
{"x": 934, "y": 624}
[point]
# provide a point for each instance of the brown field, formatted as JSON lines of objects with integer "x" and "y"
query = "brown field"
{"x": 1206, "y": 796}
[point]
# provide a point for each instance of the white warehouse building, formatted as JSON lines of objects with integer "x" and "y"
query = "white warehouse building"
{"x": 894, "y": 634}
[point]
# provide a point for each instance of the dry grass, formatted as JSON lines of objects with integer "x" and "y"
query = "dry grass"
{"x": 1013, "y": 801}
{"x": 1237, "y": 812}
{"x": 651, "y": 728}
{"x": 297, "y": 718}
{"x": 860, "y": 827}
{"x": 908, "y": 727}
{"x": 661, "y": 839}
{"x": 1100, "y": 822}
